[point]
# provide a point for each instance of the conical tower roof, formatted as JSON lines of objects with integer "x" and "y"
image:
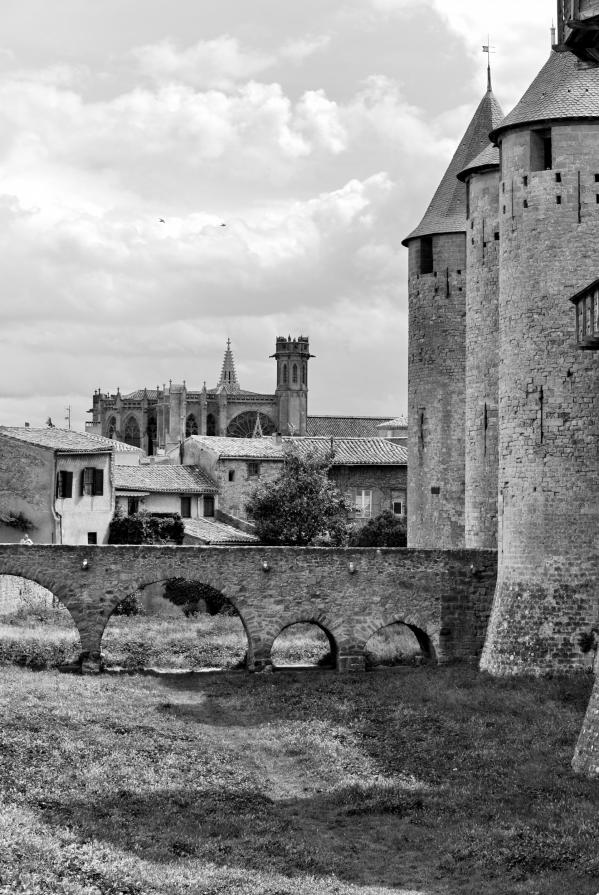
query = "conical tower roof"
{"x": 564, "y": 88}
{"x": 447, "y": 211}
{"x": 228, "y": 377}
{"x": 488, "y": 158}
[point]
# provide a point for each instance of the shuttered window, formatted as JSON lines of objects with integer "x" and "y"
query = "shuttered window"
{"x": 64, "y": 484}
{"x": 92, "y": 482}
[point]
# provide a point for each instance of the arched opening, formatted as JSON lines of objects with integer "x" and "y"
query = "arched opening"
{"x": 294, "y": 374}
{"x": 250, "y": 424}
{"x": 210, "y": 424}
{"x": 191, "y": 426}
{"x": 285, "y": 374}
{"x": 304, "y": 645}
{"x": 175, "y": 625}
{"x": 111, "y": 427}
{"x": 36, "y": 629}
{"x": 151, "y": 432}
{"x": 398, "y": 643}
{"x": 132, "y": 432}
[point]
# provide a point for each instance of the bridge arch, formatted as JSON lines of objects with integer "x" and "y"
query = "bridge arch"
{"x": 414, "y": 623}
{"x": 251, "y": 630}
{"x": 332, "y": 629}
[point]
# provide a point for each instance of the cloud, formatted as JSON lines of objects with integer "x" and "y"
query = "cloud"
{"x": 302, "y": 48}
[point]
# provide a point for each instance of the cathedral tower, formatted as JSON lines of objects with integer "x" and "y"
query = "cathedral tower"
{"x": 437, "y": 350}
{"x": 548, "y": 390}
{"x": 292, "y": 356}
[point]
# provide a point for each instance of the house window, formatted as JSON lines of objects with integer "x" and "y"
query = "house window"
{"x": 253, "y": 469}
{"x": 186, "y": 507}
{"x": 363, "y": 503}
{"x": 92, "y": 482}
{"x": 541, "y": 150}
{"x": 208, "y": 505}
{"x": 398, "y": 508}
{"x": 231, "y": 475}
{"x": 64, "y": 484}
{"x": 132, "y": 506}
{"x": 92, "y": 537}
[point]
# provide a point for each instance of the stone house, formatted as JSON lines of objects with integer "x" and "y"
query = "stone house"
{"x": 372, "y": 472}
{"x": 58, "y": 484}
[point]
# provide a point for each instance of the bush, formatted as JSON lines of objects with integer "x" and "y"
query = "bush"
{"x": 385, "y": 530}
{"x": 144, "y": 528}
{"x": 193, "y": 596}
{"x": 131, "y": 605}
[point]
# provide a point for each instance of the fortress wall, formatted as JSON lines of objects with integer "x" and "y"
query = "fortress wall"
{"x": 548, "y": 580}
{"x": 482, "y": 357}
{"x": 436, "y": 395}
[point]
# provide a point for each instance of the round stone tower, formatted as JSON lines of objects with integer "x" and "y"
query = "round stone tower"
{"x": 482, "y": 352}
{"x": 437, "y": 350}
{"x": 548, "y": 507}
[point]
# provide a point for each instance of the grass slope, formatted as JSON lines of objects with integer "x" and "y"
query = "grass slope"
{"x": 422, "y": 781}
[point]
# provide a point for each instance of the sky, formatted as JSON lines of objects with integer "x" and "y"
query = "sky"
{"x": 176, "y": 174}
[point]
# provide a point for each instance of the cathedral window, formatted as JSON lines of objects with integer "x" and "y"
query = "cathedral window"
{"x": 210, "y": 424}
{"x": 285, "y": 374}
{"x": 111, "y": 427}
{"x": 294, "y": 374}
{"x": 191, "y": 426}
{"x": 132, "y": 432}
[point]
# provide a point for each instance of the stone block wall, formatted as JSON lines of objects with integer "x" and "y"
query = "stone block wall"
{"x": 548, "y": 549}
{"x": 436, "y": 395}
{"x": 350, "y": 593}
{"x": 387, "y": 483}
{"x": 27, "y": 487}
{"x": 482, "y": 359}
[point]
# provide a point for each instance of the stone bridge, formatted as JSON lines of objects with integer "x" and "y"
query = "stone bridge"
{"x": 443, "y": 596}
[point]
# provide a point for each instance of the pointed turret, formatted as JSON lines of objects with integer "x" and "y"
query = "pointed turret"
{"x": 228, "y": 378}
{"x": 447, "y": 210}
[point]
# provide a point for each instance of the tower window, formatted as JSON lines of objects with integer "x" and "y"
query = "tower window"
{"x": 304, "y": 374}
{"x": 285, "y": 374}
{"x": 558, "y": 199}
{"x": 294, "y": 374}
{"x": 541, "y": 150}
{"x": 426, "y": 254}
{"x": 558, "y": 177}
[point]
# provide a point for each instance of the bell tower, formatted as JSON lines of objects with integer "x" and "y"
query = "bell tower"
{"x": 292, "y": 356}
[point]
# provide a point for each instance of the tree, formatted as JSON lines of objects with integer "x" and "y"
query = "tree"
{"x": 301, "y": 506}
{"x": 143, "y": 528}
{"x": 385, "y": 530}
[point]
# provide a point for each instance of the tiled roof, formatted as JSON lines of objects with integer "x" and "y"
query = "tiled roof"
{"x": 164, "y": 479}
{"x": 138, "y": 394}
{"x": 400, "y": 422}
{"x": 345, "y": 426}
{"x": 447, "y": 211}
{"x": 241, "y": 448}
{"x": 216, "y": 532}
{"x": 488, "y": 158}
{"x": 354, "y": 451}
{"x": 192, "y": 394}
{"x": 564, "y": 88}
{"x": 66, "y": 440}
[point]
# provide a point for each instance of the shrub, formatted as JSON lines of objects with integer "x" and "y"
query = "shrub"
{"x": 131, "y": 605}
{"x": 144, "y": 528}
{"x": 385, "y": 530}
{"x": 193, "y": 596}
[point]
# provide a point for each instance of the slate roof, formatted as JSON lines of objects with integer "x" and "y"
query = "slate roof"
{"x": 447, "y": 210}
{"x": 564, "y": 88}
{"x": 345, "y": 426}
{"x": 66, "y": 440}
{"x": 241, "y": 448}
{"x": 164, "y": 479}
{"x": 355, "y": 451}
{"x": 488, "y": 158}
{"x": 192, "y": 394}
{"x": 216, "y": 532}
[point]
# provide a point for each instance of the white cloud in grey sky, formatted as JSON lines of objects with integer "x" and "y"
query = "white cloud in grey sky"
{"x": 317, "y": 134}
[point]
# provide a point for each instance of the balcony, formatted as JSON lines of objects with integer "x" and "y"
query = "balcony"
{"x": 586, "y": 303}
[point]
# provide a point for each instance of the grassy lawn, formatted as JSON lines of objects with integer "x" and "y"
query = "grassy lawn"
{"x": 423, "y": 781}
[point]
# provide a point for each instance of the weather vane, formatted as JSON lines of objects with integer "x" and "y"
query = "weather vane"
{"x": 488, "y": 49}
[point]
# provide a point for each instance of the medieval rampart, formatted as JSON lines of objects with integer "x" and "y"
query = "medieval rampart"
{"x": 445, "y": 597}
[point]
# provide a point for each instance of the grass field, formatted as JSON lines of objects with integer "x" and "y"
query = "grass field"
{"x": 46, "y": 638}
{"x": 413, "y": 780}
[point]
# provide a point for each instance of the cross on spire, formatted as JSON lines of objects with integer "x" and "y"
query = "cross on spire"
{"x": 489, "y": 49}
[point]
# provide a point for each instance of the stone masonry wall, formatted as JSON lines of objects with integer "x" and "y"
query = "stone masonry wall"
{"x": 27, "y": 487}
{"x": 548, "y": 579}
{"x": 436, "y": 395}
{"x": 445, "y": 595}
{"x": 482, "y": 357}
{"x": 387, "y": 483}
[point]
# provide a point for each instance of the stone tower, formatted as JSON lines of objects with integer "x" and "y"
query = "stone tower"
{"x": 548, "y": 504}
{"x": 292, "y": 356}
{"x": 437, "y": 350}
{"x": 482, "y": 353}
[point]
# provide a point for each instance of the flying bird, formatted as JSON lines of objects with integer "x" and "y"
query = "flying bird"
{"x": 161, "y": 221}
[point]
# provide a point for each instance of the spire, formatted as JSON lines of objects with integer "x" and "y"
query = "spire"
{"x": 447, "y": 210}
{"x": 228, "y": 377}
